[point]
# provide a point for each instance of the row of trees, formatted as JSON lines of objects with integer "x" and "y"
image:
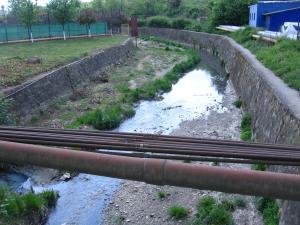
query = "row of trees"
{"x": 63, "y": 11}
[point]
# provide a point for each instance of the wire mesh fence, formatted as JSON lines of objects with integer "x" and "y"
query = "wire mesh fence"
{"x": 14, "y": 32}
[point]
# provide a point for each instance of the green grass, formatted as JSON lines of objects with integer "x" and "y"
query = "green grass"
{"x": 13, "y": 57}
{"x": 109, "y": 116}
{"x": 269, "y": 209}
{"x": 209, "y": 212}
{"x": 259, "y": 167}
{"x": 282, "y": 57}
{"x": 17, "y": 209}
{"x": 246, "y": 133}
{"x": 178, "y": 212}
{"x": 239, "y": 202}
{"x": 238, "y": 103}
{"x": 161, "y": 194}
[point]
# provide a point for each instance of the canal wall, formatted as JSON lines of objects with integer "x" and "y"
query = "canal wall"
{"x": 274, "y": 107}
{"x": 34, "y": 96}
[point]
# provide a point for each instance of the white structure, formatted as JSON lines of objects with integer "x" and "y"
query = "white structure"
{"x": 290, "y": 30}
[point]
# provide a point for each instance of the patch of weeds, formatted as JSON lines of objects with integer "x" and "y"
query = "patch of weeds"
{"x": 187, "y": 161}
{"x": 246, "y": 133}
{"x": 178, "y": 212}
{"x": 16, "y": 208}
{"x": 50, "y": 197}
{"x": 269, "y": 209}
{"x": 238, "y": 103}
{"x": 281, "y": 57}
{"x": 161, "y": 194}
{"x": 240, "y": 202}
{"x": 259, "y": 167}
{"x": 209, "y": 212}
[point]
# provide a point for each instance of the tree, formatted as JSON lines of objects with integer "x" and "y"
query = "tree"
{"x": 64, "y": 11}
{"x": 87, "y": 17}
{"x": 174, "y": 4}
{"x": 26, "y": 12}
{"x": 232, "y": 12}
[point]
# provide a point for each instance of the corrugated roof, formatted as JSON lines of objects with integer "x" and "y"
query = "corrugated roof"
{"x": 280, "y": 11}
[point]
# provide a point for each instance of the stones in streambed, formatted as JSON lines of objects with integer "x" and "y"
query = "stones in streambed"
{"x": 65, "y": 177}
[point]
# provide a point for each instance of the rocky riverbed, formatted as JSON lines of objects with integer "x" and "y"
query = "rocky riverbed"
{"x": 139, "y": 203}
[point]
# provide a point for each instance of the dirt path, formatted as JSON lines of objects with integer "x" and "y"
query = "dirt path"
{"x": 138, "y": 203}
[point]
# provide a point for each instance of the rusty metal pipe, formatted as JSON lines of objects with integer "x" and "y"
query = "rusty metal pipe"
{"x": 156, "y": 171}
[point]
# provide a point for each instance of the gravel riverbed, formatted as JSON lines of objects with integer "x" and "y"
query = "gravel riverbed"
{"x": 138, "y": 203}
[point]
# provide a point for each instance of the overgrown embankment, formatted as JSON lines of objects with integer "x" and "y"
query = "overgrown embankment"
{"x": 282, "y": 57}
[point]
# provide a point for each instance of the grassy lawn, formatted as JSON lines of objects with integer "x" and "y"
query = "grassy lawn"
{"x": 14, "y": 68}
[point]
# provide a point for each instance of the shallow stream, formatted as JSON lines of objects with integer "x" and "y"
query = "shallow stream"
{"x": 83, "y": 198}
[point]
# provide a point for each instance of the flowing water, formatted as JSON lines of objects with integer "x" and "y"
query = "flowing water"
{"x": 83, "y": 198}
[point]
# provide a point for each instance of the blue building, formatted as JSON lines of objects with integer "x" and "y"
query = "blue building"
{"x": 271, "y": 15}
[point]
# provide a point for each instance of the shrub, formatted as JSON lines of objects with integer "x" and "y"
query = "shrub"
{"x": 211, "y": 213}
{"x": 238, "y": 103}
{"x": 32, "y": 203}
{"x": 178, "y": 212}
{"x": 181, "y": 23}
{"x": 240, "y": 202}
{"x": 246, "y": 133}
{"x": 194, "y": 26}
{"x": 269, "y": 210}
{"x": 49, "y": 197}
{"x": 142, "y": 22}
{"x": 161, "y": 194}
{"x": 159, "y": 22}
{"x": 259, "y": 167}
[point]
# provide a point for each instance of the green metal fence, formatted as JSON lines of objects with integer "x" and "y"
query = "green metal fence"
{"x": 10, "y": 32}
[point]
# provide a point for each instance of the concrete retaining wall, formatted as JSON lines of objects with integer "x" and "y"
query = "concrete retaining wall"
{"x": 274, "y": 107}
{"x": 38, "y": 93}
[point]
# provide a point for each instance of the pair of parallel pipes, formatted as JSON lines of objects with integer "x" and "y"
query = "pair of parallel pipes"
{"x": 156, "y": 171}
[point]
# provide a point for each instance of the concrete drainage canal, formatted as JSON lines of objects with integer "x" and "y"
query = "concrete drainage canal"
{"x": 199, "y": 104}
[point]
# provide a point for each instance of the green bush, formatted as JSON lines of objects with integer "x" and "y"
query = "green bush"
{"x": 18, "y": 207}
{"x": 238, "y": 103}
{"x": 142, "y": 22}
{"x": 259, "y": 167}
{"x": 49, "y": 197}
{"x": 178, "y": 212}
{"x": 269, "y": 209}
{"x": 32, "y": 203}
{"x": 246, "y": 133}
{"x": 181, "y": 23}
{"x": 161, "y": 194}
{"x": 211, "y": 213}
{"x": 240, "y": 202}
{"x": 159, "y": 22}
